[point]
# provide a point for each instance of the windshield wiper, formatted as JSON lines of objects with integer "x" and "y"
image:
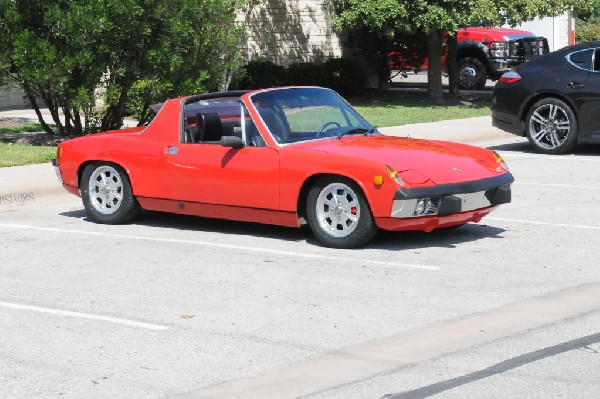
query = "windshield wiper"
{"x": 362, "y": 130}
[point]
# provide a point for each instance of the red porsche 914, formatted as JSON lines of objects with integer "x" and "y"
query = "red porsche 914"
{"x": 284, "y": 156}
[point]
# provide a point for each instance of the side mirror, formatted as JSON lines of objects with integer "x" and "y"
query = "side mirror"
{"x": 232, "y": 141}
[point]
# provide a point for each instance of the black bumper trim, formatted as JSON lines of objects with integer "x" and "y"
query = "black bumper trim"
{"x": 442, "y": 190}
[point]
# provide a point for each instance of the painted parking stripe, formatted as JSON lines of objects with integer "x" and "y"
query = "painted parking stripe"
{"x": 82, "y": 315}
{"x": 572, "y": 226}
{"x": 519, "y": 183}
{"x": 224, "y": 246}
{"x": 552, "y": 157}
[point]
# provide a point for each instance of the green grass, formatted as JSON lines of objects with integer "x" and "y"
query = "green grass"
{"x": 394, "y": 108}
{"x": 25, "y": 127}
{"x": 396, "y": 114}
{"x": 16, "y": 154}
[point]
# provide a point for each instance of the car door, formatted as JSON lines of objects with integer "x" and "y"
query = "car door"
{"x": 213, "y": 174}
{"x": 582, "y": 80}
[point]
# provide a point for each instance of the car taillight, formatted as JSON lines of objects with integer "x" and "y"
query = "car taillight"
{"x": 510, "y": 77}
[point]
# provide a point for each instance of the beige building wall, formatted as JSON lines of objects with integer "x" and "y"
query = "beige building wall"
{"x": 290, "y": 31}
{"x": 12, "y": 98}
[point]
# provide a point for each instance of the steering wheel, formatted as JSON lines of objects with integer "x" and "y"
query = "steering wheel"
{"x": 322, "y": 129}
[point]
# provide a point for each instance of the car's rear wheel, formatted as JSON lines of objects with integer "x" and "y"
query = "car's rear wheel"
{"x": 339, "y": 214}
{"x": 107, "y": 195}
{"x": 472, "y": 73}
{"x": 551, "y": 126}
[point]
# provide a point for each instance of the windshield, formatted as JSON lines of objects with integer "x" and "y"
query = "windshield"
{"x": 302, "y": 114}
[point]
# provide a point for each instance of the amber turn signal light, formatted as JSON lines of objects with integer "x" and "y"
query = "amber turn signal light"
{"x": 378, "y": 180}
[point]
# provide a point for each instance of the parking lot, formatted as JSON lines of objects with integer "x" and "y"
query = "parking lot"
{"x": 177, "y": 306}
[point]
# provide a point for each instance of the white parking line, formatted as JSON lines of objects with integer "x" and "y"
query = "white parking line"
{"x": 572, "y": 226}
{"x": 81, "y": 315}
{"x": 551, "y": 157}
{"x": 555, "y": 185}
{"x": 225, "y": 246}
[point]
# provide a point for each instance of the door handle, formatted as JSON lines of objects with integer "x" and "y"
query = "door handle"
{"x": 575, "y": 85}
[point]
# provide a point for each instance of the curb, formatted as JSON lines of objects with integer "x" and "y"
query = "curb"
{"x": 24, "y": 185}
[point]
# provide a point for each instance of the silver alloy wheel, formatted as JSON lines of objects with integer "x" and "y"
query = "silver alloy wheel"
{"x": 105, "y": 190}
{"x": 338, "y": 210}
{"x": 549, "y": 126}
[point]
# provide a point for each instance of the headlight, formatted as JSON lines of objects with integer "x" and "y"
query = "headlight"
{"x": 422, "y": 207}
{"x": 500, "y": 160}
{"x": 499, "y": 49}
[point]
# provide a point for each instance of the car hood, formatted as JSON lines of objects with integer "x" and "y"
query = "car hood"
{"x": 492, "y": 34}
{"x": 435, "y": 161}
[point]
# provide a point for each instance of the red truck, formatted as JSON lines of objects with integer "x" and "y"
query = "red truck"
{"x": 486, "y": 53}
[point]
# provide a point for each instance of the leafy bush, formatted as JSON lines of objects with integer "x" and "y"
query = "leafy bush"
{"x": 261, "y": 74}
{"x": 587, "y": 31}
{"x": 306, "y": 74}
{"x": 62, "y": 51}
{"x": 346, "y": 75}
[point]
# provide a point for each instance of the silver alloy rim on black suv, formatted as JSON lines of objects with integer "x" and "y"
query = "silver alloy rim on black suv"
{"x": 105, "y": 190}
{"x": 549, "y": 126}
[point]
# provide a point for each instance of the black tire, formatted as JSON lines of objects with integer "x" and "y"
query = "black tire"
{"x": 102, "y": 183}
{"x": 551, "y": 126}
{"x": 472, "y": 73}
{"x": 350, "y": 224}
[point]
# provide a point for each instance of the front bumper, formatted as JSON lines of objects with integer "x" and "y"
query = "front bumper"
{"x": 71, "y": 189}
{"x": 498, "y": 66}
{"x": 429, "y": 224}
{"x": 508, "y": 122}
{"x": 450, "y": 199}
{"x": 57, "y": 170}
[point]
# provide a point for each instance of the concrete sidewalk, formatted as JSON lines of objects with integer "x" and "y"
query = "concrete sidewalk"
{"x": 18, "y": 185}
{"x": 22, "y": 187}
{"x": 468, "y": 130}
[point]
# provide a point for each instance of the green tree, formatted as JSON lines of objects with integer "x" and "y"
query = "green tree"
{"x": 63, "y": 53}
{"x": 386, "y": 18}
{"x": 587, "y": 23}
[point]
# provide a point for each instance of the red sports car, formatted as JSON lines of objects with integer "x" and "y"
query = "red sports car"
{"x": 284, "y": 156}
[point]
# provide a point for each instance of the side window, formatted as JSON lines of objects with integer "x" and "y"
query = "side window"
{"x": 584, "y": 59}
{"x": 597, "y": 60}
{"x": 251, "y": 133}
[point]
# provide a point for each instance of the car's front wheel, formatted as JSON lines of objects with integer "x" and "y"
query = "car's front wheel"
{"x": 107, "y": 195}
{"x": 339, "y": 214}
{"x": 551, "y": 126}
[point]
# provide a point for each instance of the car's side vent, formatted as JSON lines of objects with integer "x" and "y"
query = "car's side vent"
{"x": 435, "y": 205}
